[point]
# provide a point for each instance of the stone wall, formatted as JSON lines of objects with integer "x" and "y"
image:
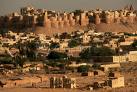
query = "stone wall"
{"x": 30, "y": 17}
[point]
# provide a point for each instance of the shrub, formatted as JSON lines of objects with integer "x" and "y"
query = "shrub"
{"x": 83, "y": 68}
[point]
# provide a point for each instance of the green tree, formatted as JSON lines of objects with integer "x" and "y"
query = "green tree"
{"x": 19, "y": 60}
{"x": 28, "y": 49}
{"x": 54, "y": 45}
{"x": 73, "y": 43}
{"x": 96, "y": 66}
{"x": 134, "y": 44}
{"x": 65, "y": 35}
{"x": 3, "y": 31}
{"x": 96, "y": 51}
{"x": 57, "y": 55}
{"x": 83, "y": 68}
{"x": 32, "y": 49}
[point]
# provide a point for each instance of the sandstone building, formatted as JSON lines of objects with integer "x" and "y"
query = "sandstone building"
{"x": 29, "y": 17}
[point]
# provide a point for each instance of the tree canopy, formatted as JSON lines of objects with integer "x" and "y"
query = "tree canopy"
{"x": 96, "y": 51}
{"x": 54, "y": 45}
{"x": 65, "y": 35}
{"x": 73, "y": 43}
{"x": 57, "y": 55}
{"x": 28, "y": 49}
{"x": 134, "y": 44}
{"x": 83, "y": 68}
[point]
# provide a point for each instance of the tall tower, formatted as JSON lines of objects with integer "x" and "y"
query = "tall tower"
{"x": 84, "y": 21}
{"x": 97, "y": 19}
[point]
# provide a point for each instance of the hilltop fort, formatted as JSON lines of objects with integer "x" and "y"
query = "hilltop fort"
{"x": 42, "y": 20}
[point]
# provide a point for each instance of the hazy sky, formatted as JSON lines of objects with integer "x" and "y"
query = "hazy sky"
{"x": 8, "y": 6}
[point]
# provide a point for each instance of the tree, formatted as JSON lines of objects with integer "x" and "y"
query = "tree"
{"x": 62, "y": 66}
{"x": 85, "y": 54}
{"x": 73, "y": 43}
{"x": 96, "y": 66}
{"x": 28, "y": 49}
{"x": 83, "y": 68}
{"x": 54, "y": 45}
{"x": 32, "y": 49}
{"x": 19, "y": 60}
{"x": 96, "y": 51}
{"x": 57, "y": 55}
{"x": 3, "y": 31}
{"x": 22, "y": 49}
{"x": 134, "y": 44}
{"x": 65, "y": 35}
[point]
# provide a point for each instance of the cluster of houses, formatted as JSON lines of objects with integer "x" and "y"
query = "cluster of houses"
{"x": 31, "y": 17}
{"x": 88, "y": 38}
{"x": 22, "y": 81}
{"x": 81, "y": 39}
{"x": 115, "y": 80}
{"x": 105, "y": 79}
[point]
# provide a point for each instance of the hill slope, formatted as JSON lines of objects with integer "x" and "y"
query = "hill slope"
{"x": 100, "y": 28}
